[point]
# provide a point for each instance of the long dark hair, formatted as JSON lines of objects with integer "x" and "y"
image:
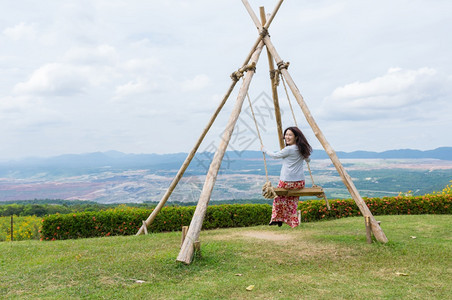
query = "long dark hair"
{"x": 301, "y": 141}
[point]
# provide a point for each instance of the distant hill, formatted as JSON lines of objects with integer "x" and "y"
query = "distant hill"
{"x": 88, "y": 163}
{"x": 115, "y": 159}
{"x": 443, "y": 153}
{"x": 116, "y": 177}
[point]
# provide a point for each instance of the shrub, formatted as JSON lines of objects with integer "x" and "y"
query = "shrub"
{"x": 315, "y": 210}
{"x": 127, "y": 220}
{"x": 25, "y": 228}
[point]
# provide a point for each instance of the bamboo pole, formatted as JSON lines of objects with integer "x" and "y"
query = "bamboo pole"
{"x": 256, "y": 20}
{"x": 376, "y": 229}
{"x": 187, "y": 249}
{"x": 379, "y": 234}
{"x": 186, "y": 163}
{"x": 267, "y": 25}
{"x": 145, "y": 228}
{"x": 190, "y": 156}
{"x": 274, "y": 88}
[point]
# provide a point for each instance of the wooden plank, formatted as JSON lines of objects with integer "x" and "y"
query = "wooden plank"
{"x": 307, "y": 191}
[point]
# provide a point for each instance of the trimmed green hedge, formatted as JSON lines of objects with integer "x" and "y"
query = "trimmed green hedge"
{"x": 127, "y": 220}
{"x": 316, "y": 210}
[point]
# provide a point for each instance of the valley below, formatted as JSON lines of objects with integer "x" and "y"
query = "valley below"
{"x": 240, "y": 178}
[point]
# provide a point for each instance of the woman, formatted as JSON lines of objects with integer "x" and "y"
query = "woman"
{"x": 292, "y": 176}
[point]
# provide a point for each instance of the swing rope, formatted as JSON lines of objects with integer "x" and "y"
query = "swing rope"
{"x": 288, "y": 98}
{"x": 307, "y": 162}
{"x": 295, "y": 121}
{"x": 267, "y": 190}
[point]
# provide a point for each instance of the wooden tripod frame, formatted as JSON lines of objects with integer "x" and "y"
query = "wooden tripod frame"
{"x": 187, "y": 248}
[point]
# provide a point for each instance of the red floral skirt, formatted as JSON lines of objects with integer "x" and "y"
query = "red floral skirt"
{"x": 284, "y": 207}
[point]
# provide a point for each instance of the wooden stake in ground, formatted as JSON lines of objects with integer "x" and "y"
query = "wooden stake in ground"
{"x": 184, "y": 234}
{"x": 12, "y": 228}
{"x": 187, "y": 249}
{"x": 376, "y": 229}
{"x": 368, "y": 229}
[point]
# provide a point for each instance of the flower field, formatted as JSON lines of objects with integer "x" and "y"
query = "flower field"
{"x": 24, "y": 228}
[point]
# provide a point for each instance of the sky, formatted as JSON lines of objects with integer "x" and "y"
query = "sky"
{"x": 146, "y": 76}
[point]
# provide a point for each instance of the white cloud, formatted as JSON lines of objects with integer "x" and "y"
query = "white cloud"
{"x": 131, "y": 68}
{"x": 138, "y": 65}
{"x": 133, "y": 88}
{"x": 24, "y": 114}
{"x": 20, "y": 31}
{"x": 195, "y": 84}
{"x": 99, "y": 55}
{"x": 319, "y": 12}
{"x": 55, "y": 79}
{"x": 79, "y": 69}
{"x": 397, "y": 91}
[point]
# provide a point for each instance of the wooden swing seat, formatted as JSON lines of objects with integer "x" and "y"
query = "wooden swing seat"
{"x": 307, "y": 191}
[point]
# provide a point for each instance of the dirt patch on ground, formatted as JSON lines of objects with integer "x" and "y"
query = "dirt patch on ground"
{"x": 267, "y": 235}
{"x": 297, "y": 244}
{"x": 255, "y": 234}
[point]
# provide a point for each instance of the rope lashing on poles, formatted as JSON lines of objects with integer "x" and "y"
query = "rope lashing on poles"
{"x": 240, "y": 72}
{"x": 274, "y": 76}
{"x": 283, "y": 65}
{"x": 267, "y": 190}
{"x": 264, "y": 32}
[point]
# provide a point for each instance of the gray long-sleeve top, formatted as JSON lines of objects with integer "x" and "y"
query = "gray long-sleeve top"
{"x": 292, "y": 163}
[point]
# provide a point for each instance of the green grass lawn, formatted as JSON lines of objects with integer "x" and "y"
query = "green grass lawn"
{"x": 321, "y": 260}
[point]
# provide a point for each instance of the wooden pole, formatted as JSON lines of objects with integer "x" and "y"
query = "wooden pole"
{"x": 368, "y": 229}
{"x": 267, "y": 25}
{"x": 190, "y": 156}
{"x": 376, "y": 229}
{"x": 187, "y": 249}
{"x": 184, "y": 234}
{"x": 379, "y": 234}
{"x": 145, "y": 227}
{"x": 256, "y": 20}
{"x": 274, "y": 89}
{"x": 186, "y": 163}
{"x": 12, "y": 228}
{"x": 197, "y": 247}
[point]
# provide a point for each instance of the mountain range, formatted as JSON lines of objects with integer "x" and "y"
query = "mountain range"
{"x": 115, "y": 159}
{"x": 116, "y": 177}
